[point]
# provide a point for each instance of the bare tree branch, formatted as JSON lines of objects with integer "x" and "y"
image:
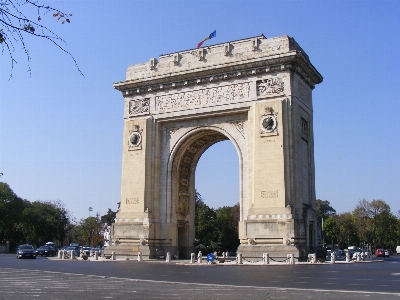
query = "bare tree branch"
{"x": 15, "y": 25}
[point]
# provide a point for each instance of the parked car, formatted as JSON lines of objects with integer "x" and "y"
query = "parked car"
{"x": 390, "y": 252}
{"x": 26, "y": 251}
{"x": 52, "y": 245}
{"x": 46, "y": 250}
{"x": 77, "y": 248}
{"x": 86, "y": 249}
{"x": 71, "y": 249}
{"x": 340, "y": 254}
{"x": 386, "y": 253}
{"x": 380, "y": 253}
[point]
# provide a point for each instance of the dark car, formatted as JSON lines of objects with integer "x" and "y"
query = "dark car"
{"x": 380, "y": 253}
{"x": 46, "y": 250}
{"x": 26, "y": 251}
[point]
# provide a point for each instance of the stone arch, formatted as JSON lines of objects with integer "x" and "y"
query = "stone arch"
{"x": 178, "y": 105}
{"x": 182, "y": 164}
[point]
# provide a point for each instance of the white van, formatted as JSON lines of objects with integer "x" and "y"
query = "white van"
{"x": 398, "y": 249}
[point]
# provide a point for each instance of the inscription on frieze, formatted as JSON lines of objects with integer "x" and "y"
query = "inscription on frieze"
{"x": 132, "y": 200}
{"x": 270, "y": 86}
{"x": 202, "y": 98}
{"x": 269, "y": 194}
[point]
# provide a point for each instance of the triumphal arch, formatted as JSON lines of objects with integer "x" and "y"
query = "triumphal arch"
{"x": 255, "y": 92}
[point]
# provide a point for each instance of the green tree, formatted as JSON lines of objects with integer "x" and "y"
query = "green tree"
{"x": 332, "y": 231}
{"x": 45, "y": 221}
{"x": 347, "y": 232}
{"x": 324, "y": 210}
{"x": 227, "y": 220}
{"x": 11, "y": 208}
{"x": 88, "y": 232}
{"x": 108, "y": 218}
{"x": 205, "y": 222}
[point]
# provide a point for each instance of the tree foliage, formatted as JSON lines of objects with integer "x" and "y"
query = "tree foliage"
{"x": 217, "y": 226}
{"x": 45, "y": 221}
{"x": 24, "y": 222}
{"x": 370, "y": 224}
{"x": 21, "y": 18}
{"x": 324, "y": 209}
{"x": 11, "y": 207}
{"x": 88, "y": 232}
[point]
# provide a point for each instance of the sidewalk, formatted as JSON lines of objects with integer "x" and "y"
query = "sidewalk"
{"x": 228, "y": 261}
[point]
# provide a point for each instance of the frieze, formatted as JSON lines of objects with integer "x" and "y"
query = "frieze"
{"x": 139, "y": 106}
{"x": 270, "y": 86}
{"x": 201, "y": 98}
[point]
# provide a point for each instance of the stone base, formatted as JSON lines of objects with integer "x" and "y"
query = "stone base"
{"x": 149, "y": 251}
{"x": 278, "y": 252}
{"x": 131, "y": 251}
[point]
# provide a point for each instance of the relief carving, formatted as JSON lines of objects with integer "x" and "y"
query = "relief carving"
{"x": 183, "y": 205}
{"x": 185, "y": 169}
{"x": 139, "y": 106}
{"x": 270, "y": 86}
{"x": 240, "y": 127}
{"x": 203, "y": 97}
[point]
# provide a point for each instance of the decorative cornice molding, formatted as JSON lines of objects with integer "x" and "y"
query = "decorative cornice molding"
{"x": 220, "y": 62}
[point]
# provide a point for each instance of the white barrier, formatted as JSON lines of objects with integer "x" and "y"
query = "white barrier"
{"x": 266, "y": 258}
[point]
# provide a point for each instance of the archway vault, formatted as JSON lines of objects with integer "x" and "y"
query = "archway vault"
{"x": 257, "y": 93}
{"x": 186, "y": 162}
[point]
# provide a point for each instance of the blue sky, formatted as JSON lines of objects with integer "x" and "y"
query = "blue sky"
{"x": 61, "y": 133}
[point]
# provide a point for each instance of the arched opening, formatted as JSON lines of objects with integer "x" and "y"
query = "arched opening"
{"x": 183, "y": 191}
{"x": 217, "y": 175}
{"x": 217, "y": 200}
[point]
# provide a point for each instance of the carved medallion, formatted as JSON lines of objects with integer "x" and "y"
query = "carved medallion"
{"x": 135, "y": 138}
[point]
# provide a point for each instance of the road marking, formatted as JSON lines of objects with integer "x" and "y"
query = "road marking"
{"x": 396, "y": 274}
{"x": 220, "y": 285}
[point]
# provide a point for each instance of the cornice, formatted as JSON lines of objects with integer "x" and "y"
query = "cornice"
{"x": 293, "y": 59}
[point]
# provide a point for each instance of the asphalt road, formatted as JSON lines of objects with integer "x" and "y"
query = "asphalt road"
{"x": 44, "y": 278}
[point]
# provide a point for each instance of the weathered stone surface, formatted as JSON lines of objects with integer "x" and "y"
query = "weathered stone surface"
{"x": 257, "y": 93}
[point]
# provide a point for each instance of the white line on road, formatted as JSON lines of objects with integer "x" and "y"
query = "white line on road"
{"x": 228, "y": 285}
